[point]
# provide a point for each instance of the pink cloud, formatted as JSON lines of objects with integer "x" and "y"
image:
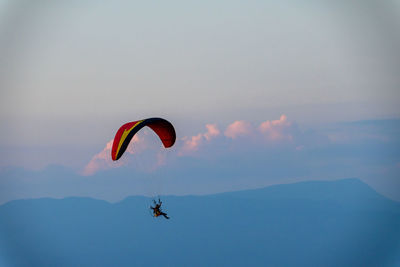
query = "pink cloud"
{"x": 137, "y": 145}
{"x": 272, "y": 130}
{"x": 193, "y": 143}
{"x": 100, "y": 161}
{"x": 212, "y": 131}
{"x": 103, "y": 161}
{"x": 276, "y": 129}
{"x": 237, "y": 129}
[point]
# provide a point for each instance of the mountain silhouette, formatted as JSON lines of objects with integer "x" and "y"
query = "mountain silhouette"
{"x": 315, "y": 223}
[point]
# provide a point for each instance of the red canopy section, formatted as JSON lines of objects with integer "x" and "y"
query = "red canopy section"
{"x": 126, "y": 132}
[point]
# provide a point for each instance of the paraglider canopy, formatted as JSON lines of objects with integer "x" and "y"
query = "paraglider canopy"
{"x": 125, "y": 133}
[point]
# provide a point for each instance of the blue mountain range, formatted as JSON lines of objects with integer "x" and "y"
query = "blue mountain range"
{"x": 316, "y": 223}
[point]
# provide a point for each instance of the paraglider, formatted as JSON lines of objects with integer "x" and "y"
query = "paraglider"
{"x": 126, "y": 132}
{"x": 157, "y": 209}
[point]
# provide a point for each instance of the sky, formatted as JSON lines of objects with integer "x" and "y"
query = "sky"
{"x": 282, "y": 90}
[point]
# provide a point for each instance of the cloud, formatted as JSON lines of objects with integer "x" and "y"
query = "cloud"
{"x": 139, "y": 142}
{"x": 191, "y": 144}
{"x": 103, "y": 161}
{"x": 273, "y": 130}
{"x": 277, "y": 129}
{"x": 143, "y": 143}
{"x": 212, "y": 131}
{"x": 238, "y": 128}
{"x": 99, "y": 161}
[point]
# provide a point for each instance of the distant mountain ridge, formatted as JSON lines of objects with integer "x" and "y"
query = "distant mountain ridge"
{"x": 351, "y": 191}
{"x": 315, "y": 223}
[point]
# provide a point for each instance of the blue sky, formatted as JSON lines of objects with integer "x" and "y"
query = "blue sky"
{"x": 73, "y": 72}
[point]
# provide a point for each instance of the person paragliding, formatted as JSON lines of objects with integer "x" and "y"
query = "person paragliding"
{"x": 126, "y": 132}
{"x": 157, "y": 209}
